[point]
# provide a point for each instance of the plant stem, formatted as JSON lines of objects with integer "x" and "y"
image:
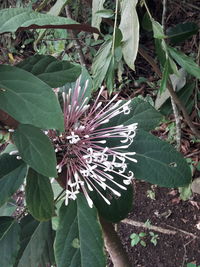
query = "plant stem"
{"x": 114, "y": 245}
{"x": 115, "y": 26}
{"x": 178, "y": 102}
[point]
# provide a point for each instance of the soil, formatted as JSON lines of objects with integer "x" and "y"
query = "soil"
{"x": 167, "y": 211}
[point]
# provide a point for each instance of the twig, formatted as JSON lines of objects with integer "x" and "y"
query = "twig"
{"x": 178, "y": 102}
{"x": 178, "y": 125}
{"x": 150, "y": 227}
{"x": 114, "y": 245}
{"x": 76, "y": 41}
{"x": 159, "y": 229}
{"x": 174, "y": 107}
{"x": 185, "y": 251}
{"x": 164, "y": 13}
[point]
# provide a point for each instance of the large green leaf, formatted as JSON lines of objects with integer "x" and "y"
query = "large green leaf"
{"x": 119, "y": 207}
{"x": 79, "y": 238}
{"x": 101, "y": 63}
{"x": 9, "y": 241}
{"x": 39, "y": 196}
{"x": 12, "y": 175}
{"x": 36, "y": 243}
{"x": 182, "y": 31}
{"x": 129, "y": 27}
{"x": 53, "y": 72}
{"x": 141, "y": 112}
{"x": 28, "y": 99}
{"x": 35, "y": 149}
{"x": 12, "y": 19}
{"x": 185, "y": 62}
{"x": 158, "y": 162}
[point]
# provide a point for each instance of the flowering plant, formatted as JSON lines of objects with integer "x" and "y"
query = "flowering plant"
{"x": 78, "y": 167}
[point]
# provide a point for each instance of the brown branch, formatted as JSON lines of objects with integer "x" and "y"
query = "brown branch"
{"x": 159, "y": 229}
{"x": 114, "y": 245}
{"x": 178, "y": 102}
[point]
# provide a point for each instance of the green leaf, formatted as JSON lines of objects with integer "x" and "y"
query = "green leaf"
{"x": 96, "y": 20}
{"x": 182, "y": 31}
{"x": 78, "y": 224}
{"x": 109, "y": 79}
{"x": 12, "y": 175}
{"x": 185, "y": 62}
{"x": 53, "y": 72}
{"x": 35, "y": 149}
{"x": 28, "y": 99}
{"x": 143, "y": 243}
{"x": 165, "y": 77}
{"x": 158, "y": 32}
{"x": 141, "y": 112}
{"x": 119, "y": 207}
{"x": 146, "y": 22}
{"x": 39, "y": 196}
{"x": 12, "y": 19}
{"x": 9, "y": 241}
{"x": 105, "y": 13}
{"x": 185, "y": 192}
{"x": 158, "y": 162}
{"x": 184, "y": 95}
{"x": 8, "y": 208}
{"x": 36, "y": 243}
{"x": 129, "y": 26}
{"x": 101, "y": 63}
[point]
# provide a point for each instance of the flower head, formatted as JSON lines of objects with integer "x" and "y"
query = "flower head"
{"x": 86, "y": 160}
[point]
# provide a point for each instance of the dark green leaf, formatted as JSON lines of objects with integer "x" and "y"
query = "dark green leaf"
{"x": 160, "y": 51}
{"x": 119, "y": 207}
{"x": 79, "y": 239}
{"x": 39, "y": 196}
{"x": 141, "y": 112}
{"x": 12, "y": 175}
{"x": 53, "y": 72}
{"x": 109, "y": 79}
{"x": 165, "y": 77}
{"x": 9, "y": 241}
{"x": 184, "y": 95}
{"x": 185, "y": 62}
{"x": 182, "y": 31}
{"x": 146, "y": 22}
{"x": 36, "y": 243}
{"x": 35, "y": 149}
{"x": 29, "y": 100}
{"x": 158, "y": 162}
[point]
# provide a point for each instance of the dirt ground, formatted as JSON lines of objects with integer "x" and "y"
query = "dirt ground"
{"x": 167, "y": 212}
